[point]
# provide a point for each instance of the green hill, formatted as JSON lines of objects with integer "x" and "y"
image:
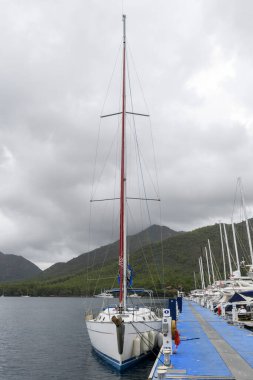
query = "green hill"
{"x": 109, "y": 252}
{"x": 157, "y": 265}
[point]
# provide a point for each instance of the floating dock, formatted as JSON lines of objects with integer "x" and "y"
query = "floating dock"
{"x": 210, "y": 348}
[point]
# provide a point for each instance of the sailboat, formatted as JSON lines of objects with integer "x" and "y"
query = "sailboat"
{"x": 104, "y": 294}
{"x": 120, "y": 334}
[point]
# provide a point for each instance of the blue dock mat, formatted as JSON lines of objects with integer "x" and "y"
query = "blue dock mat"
{"x": 195, "y": 354}
{"x": 241, "y": 340}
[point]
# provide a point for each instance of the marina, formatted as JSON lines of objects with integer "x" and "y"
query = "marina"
{"x": 210, "y": 348}
{"x": 126, "y": 202}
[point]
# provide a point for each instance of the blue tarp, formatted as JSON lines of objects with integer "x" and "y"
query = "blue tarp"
{"x": 236, "y": 297}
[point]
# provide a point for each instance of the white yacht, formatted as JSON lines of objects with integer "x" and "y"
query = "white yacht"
{"x": 120, "y": 334}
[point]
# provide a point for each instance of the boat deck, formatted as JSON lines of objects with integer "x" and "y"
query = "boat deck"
{"x": 210, "y": 348}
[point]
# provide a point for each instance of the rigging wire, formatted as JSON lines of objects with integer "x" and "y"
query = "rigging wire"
{"x": 243, "y": 247}
{"x": 239, "y": 236}
{"x": 145, "y": 258}
{"x": 139, "y": 160}
{"x": 216, "y": 268}
{"x": 105, "y": 161}
{"x": 155, "y": 161}
{"x": 140, "y": 178}
{"x": 230, "y": 250}
{"x": 95, "y": 162}
{"x": 150, "y": 126}
{"x": 114, "y": 219}
{"x": 155, "y": 185}
{"x": 103, "y": 106}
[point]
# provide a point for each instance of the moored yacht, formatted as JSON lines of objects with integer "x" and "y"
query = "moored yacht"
{"x": 120, "y": 334}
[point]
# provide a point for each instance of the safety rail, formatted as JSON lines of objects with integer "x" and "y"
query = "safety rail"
{"x": 93, "y": 313}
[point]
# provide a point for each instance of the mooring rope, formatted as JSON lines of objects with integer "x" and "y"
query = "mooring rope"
{"x": 147, "y": 340}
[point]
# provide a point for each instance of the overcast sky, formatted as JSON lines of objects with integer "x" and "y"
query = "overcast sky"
{"x": 194, "y": 60}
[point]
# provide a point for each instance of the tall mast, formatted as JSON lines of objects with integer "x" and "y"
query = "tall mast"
{"x": 122, "y": 240}
{"x": 228, "y": 250}
{"x": 211, "y": 259}
{"x": 246, "y": 220}
{"x": 208, "y": 270}
{"x": 202, "y": 273}
{"x": 195, "y": 282}
{"x": 223, "y": 253}
{"x": 236, "y": 250}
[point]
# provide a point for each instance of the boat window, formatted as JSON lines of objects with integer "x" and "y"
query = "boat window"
{"x": 144, "y": 319}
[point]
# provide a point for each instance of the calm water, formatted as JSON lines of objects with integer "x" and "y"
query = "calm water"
{"x": 46, "y": 338}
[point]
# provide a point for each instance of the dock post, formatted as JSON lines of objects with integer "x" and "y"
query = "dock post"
{"x": 234, "y": 314}
{"x": 223, "y": 310}
{"x": 167, "y": 336}
{"x": 172, "y": 305}
{"x": 180, "y": 303}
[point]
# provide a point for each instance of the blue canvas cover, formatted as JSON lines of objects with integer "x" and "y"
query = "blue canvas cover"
{"x": 236, "y": 297}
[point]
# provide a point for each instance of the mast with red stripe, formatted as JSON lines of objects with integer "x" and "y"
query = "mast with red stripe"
{"x": 122, "y": 240}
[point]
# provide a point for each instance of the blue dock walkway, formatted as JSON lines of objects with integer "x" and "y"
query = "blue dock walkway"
{"x": 210, "y": 348}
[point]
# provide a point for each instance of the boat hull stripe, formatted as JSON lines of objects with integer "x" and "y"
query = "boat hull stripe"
{"x": 120, "y": 365}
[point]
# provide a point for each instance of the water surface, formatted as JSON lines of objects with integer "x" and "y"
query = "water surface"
{"x": 46, "y": 338}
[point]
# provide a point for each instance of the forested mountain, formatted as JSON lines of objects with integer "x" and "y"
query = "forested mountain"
{"x": 158, "y": 265}
{"x": 13, "y": 268}
{"x": 108, "y": 252}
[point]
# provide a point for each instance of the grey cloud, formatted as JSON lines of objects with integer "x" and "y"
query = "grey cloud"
{"x": 56, "y": 61}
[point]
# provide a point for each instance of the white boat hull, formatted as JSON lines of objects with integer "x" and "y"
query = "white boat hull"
{"x": 103, "y": 337}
